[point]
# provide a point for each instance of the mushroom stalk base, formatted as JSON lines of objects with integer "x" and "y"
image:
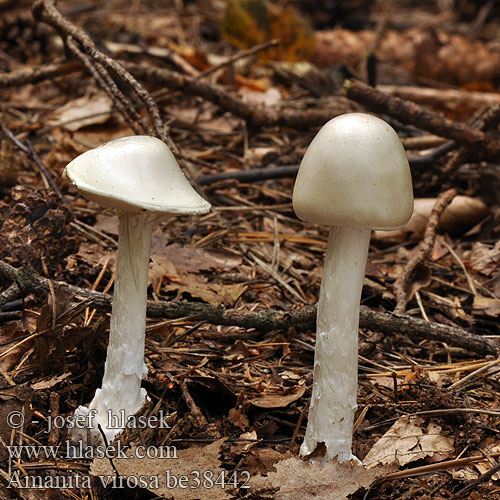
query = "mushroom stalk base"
{"x": 121, "y": 395}
{"x": 333, "y": 400}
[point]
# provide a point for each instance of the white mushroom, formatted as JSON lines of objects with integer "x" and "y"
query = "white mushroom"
{"x": 354, "y": 177}
{"x": 139, "y": 177}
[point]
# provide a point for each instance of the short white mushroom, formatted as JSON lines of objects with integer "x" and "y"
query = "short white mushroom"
{"x": 354, "y": 177}
{"x": 141, "y": 179}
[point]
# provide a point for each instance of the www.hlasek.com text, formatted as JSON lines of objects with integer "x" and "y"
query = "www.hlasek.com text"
{"x": 71, "y": 451}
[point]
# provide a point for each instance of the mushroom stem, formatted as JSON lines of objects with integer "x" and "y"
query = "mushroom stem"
{"x": 333, "y": 400}
{"x": 121, "y": 394}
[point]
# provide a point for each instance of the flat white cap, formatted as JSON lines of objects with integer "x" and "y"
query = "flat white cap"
{"x": 355, "y": 173}
{"x": 133, "y": 174}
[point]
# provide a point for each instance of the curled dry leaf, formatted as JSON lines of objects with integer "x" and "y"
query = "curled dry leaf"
{"x": 333, "y": 481}
{"x": 406, "y": 442}
{"x": 82, "y": 112}
{"x": 483, "y": 258}
{"x": 461, "y": 215}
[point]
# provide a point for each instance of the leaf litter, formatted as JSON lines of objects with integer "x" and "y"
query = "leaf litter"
{"x": 251, "y": 387}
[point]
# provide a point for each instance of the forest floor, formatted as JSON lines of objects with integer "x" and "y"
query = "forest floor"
{"x": 239, "y": 89}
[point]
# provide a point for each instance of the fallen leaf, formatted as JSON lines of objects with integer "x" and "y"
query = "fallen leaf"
{"x": 296, "y": 479}
{"x": 163, "y": 474}
{"x": 8, "y": 164}
{"x": 82, "y": 112}
{"x": 270, "y": 97}
{"x": 406, "y": 442}
{"x": 167, "y": 277}
{"x": 483, "y": 258}
{"x": 280, "y": 400}
{"x": 49, "y": 383}
{"x": 464, "y": 474}
{"x": 192, "y": 259}
{"x": 238, "y": 419}
{"x": 17, "y": 398}
{"x": 459, "y": 216}
{"x": 486, "y": 306}
{"x": 107, "y": 223}
{"x": 484, "y": 466}
{"x": 11, "y": 336}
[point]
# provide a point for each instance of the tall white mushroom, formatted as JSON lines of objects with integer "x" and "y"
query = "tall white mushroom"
{"x": 141, "y": 179}
{"x": 354, "y": 177}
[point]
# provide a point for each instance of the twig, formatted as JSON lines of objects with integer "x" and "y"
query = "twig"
{"x": 242, "y": 55}
{"x": 431, "y": 95}
{"x": 12, "y": 293}
{"x": 302, "y": 319}
{"x": 472, "y": 375}
{"x": 193, "y": 408}
{"x": 411, "y": 113}
{"x": 44, "y": 10}
{"x": 29, "y": 151}
{"x": 40, "y": 74}
{"x": 54, "y": 412}
{"x": 257, "y": 115}
{"x": 109, "y": 86}
{"x": 252, "y": 175}
{"x": 481, "y": 479}
{"x": 282, "y": 172}
{"x": 440, "y": 466}
{"x": 402, "y": 284}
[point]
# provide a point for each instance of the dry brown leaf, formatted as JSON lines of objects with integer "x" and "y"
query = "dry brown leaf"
{"x": 189, "y": 463}
{"x": 82, "y": 112}
{"x": 406, "y": 442}
{"x": 43, "y": 385}
{"x": 485, "y": 466}
{"x": 296, "y": 479}
{"x": 12, "y": 350}
{"x": 280, "y": 400}
{"x": 108, "y": 223}
{"x": 65, "y": 149}
{"x": 192, "y": 259}
{"x": 9, "y": 164}
{"x": 486, "y": 306}
{"x": 238, "y": 419}
{"x": 483, "y": 258}
{"x": 178, "y": 279}
{"x": 462, "y": 214}
{"x": 271, "y": 97}
{"x": 94, "y": 254}
{"x": 237, "y": 351}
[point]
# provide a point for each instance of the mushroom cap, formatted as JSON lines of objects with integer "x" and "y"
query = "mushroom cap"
{"x": 133, "y": 174}
{"x": 355, "y": 173}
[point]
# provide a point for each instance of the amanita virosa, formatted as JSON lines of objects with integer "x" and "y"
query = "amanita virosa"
{"x": 354, "y": 177}
{"x": 141, "y": 179}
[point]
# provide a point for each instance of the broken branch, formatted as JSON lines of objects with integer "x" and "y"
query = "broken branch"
{"x": 302, "y": 319}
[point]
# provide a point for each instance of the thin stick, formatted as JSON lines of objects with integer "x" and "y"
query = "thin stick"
{"x": 44, "y": 10}
{"x": 302, "y": 319}
{"x": 237, "y": 57}
{"x": 31, "y": 153}
{"x": 423, "y": 251}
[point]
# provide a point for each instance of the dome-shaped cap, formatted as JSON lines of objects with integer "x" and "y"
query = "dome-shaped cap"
{"x": 355, "y": 173}
{"x": 135, "y": 173}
